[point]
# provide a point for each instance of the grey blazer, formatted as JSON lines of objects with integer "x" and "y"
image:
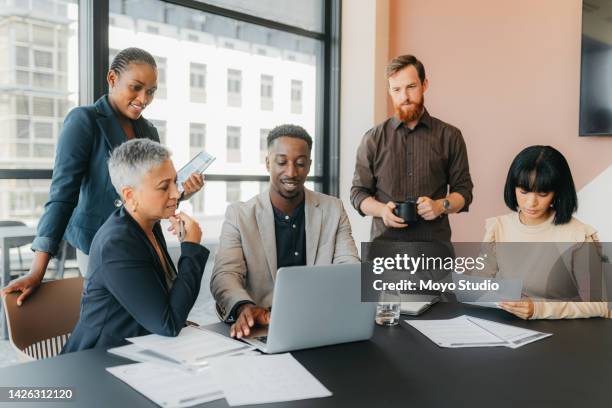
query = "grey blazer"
{"x": 245, "y": 263}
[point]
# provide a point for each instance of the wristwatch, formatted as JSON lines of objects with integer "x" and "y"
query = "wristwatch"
{"x": 447, "y": 206}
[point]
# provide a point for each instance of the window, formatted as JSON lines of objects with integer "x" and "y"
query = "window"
{"x": 43, "y": 59}
{"x": 234, "y": 88}
{"x": 236, "y": 77}
{"x": 44, "y": 80}
{"x": 197, "y": 82}
{"x": 43, "y": 130}
{"x": 22, "y": 56}
{"x": 40, "y": 61}
{"x": 263, "y": 145}
{"x": 42, "y": 106}
{"x": 197, "y": 138}
{"x": 233, "y": 144}
{"x": 296, "y": 96}
{"x": 232, "y": 192}
{"x": 160, "y": 125}
{"x": 22, "y": 105}
{"x": 161, "y": 77}
{"x": 266, "y": 91}
{"x": 43, "y": 35}
{"x": 23, "y": 129}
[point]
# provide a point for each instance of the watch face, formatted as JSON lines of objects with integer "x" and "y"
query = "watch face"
{"x": 446, "y": 204}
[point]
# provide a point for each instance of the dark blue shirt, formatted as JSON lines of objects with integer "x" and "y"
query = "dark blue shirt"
{"x": 290, "y": 231}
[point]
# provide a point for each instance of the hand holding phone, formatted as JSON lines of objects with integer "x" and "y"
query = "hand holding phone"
{"x": 198, "y": 165}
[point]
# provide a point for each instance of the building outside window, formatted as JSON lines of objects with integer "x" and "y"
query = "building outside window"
{"x": 296, "y": 96}
{"x": 197, "y": 138}
{"x": 197, "y": 82}
{"x": 233, "y": 144}
{"x": 266, "y": 92}
{"x": 232, "y": 192}
{"x": 162, "y": 67}
{"x": 263, "y": 145}
{"x": 234, "y": 88}
{"x": 160, "y": 125}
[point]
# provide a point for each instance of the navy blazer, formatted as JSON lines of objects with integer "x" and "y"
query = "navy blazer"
{"x": 82, "y": 196}
{"x": 126, "y": 294}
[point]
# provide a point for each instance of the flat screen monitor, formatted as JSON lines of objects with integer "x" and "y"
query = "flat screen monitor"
{"x": 596, "y": 69}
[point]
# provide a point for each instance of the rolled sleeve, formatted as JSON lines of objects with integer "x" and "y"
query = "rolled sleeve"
{"x": 364, "y": 180}
{"x": 45, "y": 244}
{"x": 459, "y": 178}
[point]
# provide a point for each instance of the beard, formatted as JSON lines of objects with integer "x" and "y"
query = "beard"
{"x": 411, "y": 112}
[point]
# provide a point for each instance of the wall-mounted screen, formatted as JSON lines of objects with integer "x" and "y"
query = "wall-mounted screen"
{"x": 596, "y": 69}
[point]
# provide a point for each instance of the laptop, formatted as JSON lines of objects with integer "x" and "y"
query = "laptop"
{"x": 315, "y": 306}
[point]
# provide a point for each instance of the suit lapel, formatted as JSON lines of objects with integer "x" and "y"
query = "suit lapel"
{"x": 313, "y": 226}
{"x": 112, "y": 131}
{"x": 159, "y": 270}
{"x": 265, "y": 226}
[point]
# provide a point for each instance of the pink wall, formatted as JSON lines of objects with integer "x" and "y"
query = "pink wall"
{"x": 506, "y": 72}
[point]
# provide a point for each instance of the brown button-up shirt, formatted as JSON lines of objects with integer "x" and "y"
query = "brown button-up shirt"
{"x": 395, "y": 163}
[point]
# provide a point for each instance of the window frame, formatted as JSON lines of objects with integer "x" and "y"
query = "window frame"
{"x": 93, "y": 62}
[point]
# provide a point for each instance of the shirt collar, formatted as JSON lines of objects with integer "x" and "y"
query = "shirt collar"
{"x": 296, "y": 211}
{"x": 425, "y": 120}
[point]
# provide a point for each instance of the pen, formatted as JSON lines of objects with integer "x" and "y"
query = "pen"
{"x": 181, "y": 231}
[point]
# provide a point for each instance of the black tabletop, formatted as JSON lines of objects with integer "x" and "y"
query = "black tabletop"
{"x": 398, "y": 367}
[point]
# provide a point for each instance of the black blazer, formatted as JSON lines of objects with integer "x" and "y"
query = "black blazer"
{"x": 126, "y": 293}
{"x": 82, "y": 195}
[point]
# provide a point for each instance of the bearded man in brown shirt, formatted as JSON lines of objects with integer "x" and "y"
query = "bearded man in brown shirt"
{"x": 411, "y": 155}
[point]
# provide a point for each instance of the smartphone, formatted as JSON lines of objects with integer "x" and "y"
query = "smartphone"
{"x": 198, "y": 164}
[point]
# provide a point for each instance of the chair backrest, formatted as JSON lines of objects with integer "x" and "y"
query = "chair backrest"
{"x": 42, "y": 324}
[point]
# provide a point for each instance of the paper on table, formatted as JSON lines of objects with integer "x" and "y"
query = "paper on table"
{"x": 457, "y": 332}
{"x": 263, "y": 379}
{"x": 515, "y": 336}
{"x": 136, "y": 353}
{"x": 168, "y": 386}
{"x": 193, "y": 346}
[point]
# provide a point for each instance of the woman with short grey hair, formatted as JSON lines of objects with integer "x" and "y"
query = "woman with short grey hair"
{"x": 134, "y": 288}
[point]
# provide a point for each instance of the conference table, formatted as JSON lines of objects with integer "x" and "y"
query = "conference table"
{"x": 397, "y": 367}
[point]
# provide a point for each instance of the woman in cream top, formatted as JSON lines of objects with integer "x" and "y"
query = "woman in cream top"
{"x": 540, "y": 190}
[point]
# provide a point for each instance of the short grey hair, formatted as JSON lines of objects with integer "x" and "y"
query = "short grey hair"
{"x": 132, "y": 160}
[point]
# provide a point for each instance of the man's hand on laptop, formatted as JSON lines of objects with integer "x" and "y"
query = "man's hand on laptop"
{"x": 249, "y": 315}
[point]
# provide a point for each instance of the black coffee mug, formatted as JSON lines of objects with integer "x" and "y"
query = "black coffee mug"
{"x": 406, "y": 210}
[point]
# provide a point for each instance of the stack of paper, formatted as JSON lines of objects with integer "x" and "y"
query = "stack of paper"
{"x": 200, "y": 365}
{"x": 193, "y": 347}
{"x": 466, "y": 331}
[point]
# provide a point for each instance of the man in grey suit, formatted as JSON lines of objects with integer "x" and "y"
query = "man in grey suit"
{"x": 287, "y": 225}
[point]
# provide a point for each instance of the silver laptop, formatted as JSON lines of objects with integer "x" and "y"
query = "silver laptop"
{"x": 315, "y": 306}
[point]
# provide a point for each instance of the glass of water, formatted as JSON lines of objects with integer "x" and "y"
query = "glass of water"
{"x": 388, "y": 308}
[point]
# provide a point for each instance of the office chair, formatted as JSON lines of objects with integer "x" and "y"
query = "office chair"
{"x": 40, "y": 327}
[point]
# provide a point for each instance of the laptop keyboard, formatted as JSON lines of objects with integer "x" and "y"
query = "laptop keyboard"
{"x": 263, "y": 339}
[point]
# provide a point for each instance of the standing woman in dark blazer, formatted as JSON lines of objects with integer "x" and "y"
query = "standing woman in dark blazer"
{"x": 82, "y": 196}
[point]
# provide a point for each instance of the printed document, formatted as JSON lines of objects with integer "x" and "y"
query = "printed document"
{"x": 167, "y": 386}
{"x": 467, "y": 331}
{"x": 262, "y": 379}
{"x": 192, "y": 347}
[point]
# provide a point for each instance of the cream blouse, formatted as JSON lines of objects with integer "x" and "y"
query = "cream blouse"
{"x": 550, "y": 271}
